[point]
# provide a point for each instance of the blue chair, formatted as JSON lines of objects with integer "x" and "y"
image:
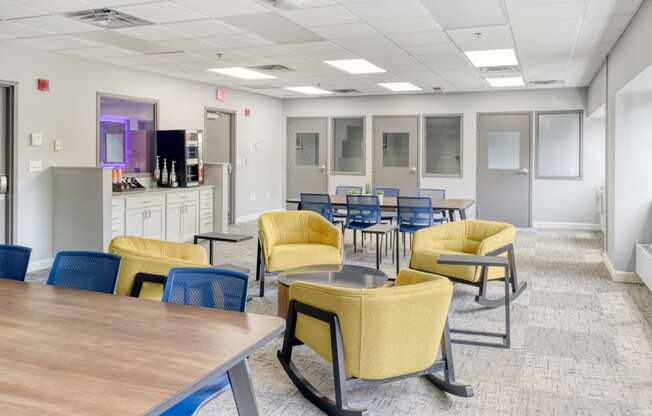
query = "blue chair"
{"x": 85, "y": 270}
{"x": 321, "y": 204}
{"x": 345, "y": 190}
{"x": 362, "y": 211}
{"x": 14, "y": 261}
{"x": 438, "y": 216}
{"x": 414, "y": 214}
{"x": 211, "y": 288}
{"x": 391, "y": 192}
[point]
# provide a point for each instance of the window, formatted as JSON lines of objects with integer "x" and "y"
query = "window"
{"x": 126, "y": 133}
{"x": 559, "y": 144}
{"x": 396, "y": 150}
{"x": 504, "y": 150}
{"x": 348, "y": 145}
{"x": 443, "y": 146}
{"x": 307, "y": 149}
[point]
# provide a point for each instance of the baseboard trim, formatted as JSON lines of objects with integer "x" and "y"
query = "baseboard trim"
{"x": 566, "y": 225}
{"x": 253, "y": 217}
{"x": 619, "y": 276}
{"x": 39, "y": 265}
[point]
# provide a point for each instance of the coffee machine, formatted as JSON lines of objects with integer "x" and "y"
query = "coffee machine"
{"x": 184, "y": 147}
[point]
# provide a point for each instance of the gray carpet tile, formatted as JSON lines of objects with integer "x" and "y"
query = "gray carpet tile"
{"x": 581, "y": 343}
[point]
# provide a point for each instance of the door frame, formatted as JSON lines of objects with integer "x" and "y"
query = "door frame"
{"x": 373, "y": 142}
{"x": 531, "y": 155}
{"x": 12, "y": 163}
{"x": 289, "y": 148}
{"x": 232, "y": 155}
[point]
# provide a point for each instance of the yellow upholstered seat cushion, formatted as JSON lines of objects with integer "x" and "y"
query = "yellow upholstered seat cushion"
{"x": 293, "y": 239}
{"x": 469, "y": 237}
{"x": 143, "y": 255}
{"x": 387, "y": 332}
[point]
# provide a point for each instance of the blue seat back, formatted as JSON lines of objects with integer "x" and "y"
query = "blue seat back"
{"x": 85, "y": 270}
{"x": 14, "y": 261}
{"x": 432, "y": 193}
{"x": 362, "y": 209}
{"x": 394, "y": 192}
{"x": 207, "y": 287}
{"x": 414, "y": 212}
{"x": 345, "y": 190}
{"x": 319, "y": 203}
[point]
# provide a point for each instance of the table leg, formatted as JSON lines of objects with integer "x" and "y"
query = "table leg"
{"x": 377, "y": 251}
{"x": 396, "y": 248}
{"x": 210, "y": 251}
{"x": 451, "y": 215}
{"x": 195, "y": 240}
{"x": 462, "y": 214}
{"x": 243, "y": 390}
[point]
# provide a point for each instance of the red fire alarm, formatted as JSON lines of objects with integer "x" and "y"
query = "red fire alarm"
{"x": 222, "y": 95}
{"x": 247, "y": 112}
{"x": 43, "y": 84}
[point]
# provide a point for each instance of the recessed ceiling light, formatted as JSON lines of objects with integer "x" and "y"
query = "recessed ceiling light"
{"x": 506, "y": 82}
{"x": 355, "y": 66}
{"x": 243, "y": 73}
{"x": 308, "y": 90}
{"x": 400, "y": 86}
{"x": 493, "y": 57}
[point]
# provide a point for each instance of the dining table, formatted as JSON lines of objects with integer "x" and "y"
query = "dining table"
{"x": 79, "y": 353}
{"x": 389, "y": 203}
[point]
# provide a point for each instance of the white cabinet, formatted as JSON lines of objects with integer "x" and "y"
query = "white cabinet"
{"x": 190, "y": 221}
{"x": 206, "y": 211}
{"x": 117, "y": 218}
{"x": 145, "y": 217}
{"x": 182, "y": 216}
{"x": 173, "y": 214}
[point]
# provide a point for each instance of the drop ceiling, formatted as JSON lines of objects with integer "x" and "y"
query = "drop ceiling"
{"x": 421, "y": 42}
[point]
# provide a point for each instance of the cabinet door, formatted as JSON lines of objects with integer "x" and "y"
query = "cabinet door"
{"x": 154, "y": 226}
{"x": 190, "y": 221}
{"x": 134, "y": 224}
{"x": 173, "y": 215}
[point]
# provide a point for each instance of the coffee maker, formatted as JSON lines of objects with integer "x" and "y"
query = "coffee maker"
{"x": 184, "y": 147}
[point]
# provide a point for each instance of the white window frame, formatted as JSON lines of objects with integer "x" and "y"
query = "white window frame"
{"x": 424, "y": 150}
{"x": 537, "y": 158}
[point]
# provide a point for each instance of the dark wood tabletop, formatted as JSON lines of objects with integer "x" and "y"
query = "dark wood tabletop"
{"x": 80, "y": 353}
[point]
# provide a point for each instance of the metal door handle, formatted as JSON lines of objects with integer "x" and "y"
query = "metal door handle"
{"x": 322, "y": 167}
{"x": 413, "y": 169}
{"x": 524, "y": 171}
{"x": 3, "y": 184}
{"x": 230, "y": 168}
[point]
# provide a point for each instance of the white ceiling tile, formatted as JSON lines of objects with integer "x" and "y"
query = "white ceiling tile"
{"x": 100, "y": 52}
{"x": 612, "y": 7}
{"x": 321, "y": 16}
{"x": 364, "y": 43}
{"x": 466, "y": 13}
{"x": 272, "y": 26}
{"x": 482, "y": 38}
{"x": 332, "y": 55}
{"x": 56, "y": 6}
{"x": 181, "y": 57}
{"x": 308, "y": 47}
{"x": 152, "y": 33}
{"x": 290, "y": 59}
{"x": 547, "y": 12}
{"x": 222, "y": 8}
{"x": 223, "y": 54}
{"x": 56, "y": 42}
{"x": 228, "y": 63}
{"x": 13, "y": 11}
{"x": 204, "y": 28}
{"x": 187, "y": 45}
{"x": 55, "y": 24}
{"x": 349, "y": 30}
{"x": 431, "y": 48}
{"x": 160, "y": 12}
{"x": 9, "y": 30}
{"x": 405, "y": 25}
{"x": 388, "y": 9}
{"x": 303, "y": 4}
{"x": 263, "y": 51}
{"x": 605, "y": 28}
{"x": 133, "y": 60}
{"x": 239, "y": 41}
{"x": 419, "y": 38}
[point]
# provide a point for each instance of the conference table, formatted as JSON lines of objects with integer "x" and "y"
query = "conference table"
{"x": 79, "y": 353}
{"x": 389, "y": 203}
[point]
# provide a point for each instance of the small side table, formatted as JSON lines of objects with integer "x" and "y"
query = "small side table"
{"x": 225, "y": 237}
{"x": 379, "y": 230}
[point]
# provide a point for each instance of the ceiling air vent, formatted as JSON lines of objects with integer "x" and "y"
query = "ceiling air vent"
{"x": 272, "y": 67}
{"x": 107, "y": 18}
{"x": 346, "y": 91}
{"x": 499, "y": 69}
{"x": 437, "y": 90}
{"x": 545, "y": 82}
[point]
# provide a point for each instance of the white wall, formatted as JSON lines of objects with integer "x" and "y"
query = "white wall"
{"x": 554, "y": 201}
{"x": 597, "y": 94}
{"x": 68, "y": 113}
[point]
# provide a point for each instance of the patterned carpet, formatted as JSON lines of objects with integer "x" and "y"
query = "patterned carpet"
{"x": 581, "y": 344}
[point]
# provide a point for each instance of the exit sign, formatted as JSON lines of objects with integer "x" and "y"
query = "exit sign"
{"x": 222, "y": 94}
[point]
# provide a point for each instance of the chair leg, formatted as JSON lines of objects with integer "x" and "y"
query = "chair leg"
{"x": 355, "y": 244}
{"x": 260, "y": 270}
{"x": 448, "y": 382}
{"x": 403, "y": 234}
{"x": 258, "y": 260}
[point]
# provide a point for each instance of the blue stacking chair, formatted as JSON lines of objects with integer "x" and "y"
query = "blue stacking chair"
{"x": 391, "y": 192}
{"x": 438, "y": 216}
{"x": 210, "y": 288}
{"x": 362, "y": 211}
{"x": 14, "y": 261}
{"x": 414, "y": 213}
{"x": 345, "y": 190}
{"x": 85, "y": 270}
{"x": 321, "y": 204}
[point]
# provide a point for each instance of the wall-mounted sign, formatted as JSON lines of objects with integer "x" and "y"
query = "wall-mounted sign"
{"x": 222, "y": 94}
{"x": 43, "y": 84}
{"x": 247, "y": 112}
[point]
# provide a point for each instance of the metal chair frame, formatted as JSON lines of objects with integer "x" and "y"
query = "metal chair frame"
{"x": 340, "y": 407}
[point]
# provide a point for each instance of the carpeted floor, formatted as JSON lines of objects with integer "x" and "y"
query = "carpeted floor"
{"x": 581, "y": 343}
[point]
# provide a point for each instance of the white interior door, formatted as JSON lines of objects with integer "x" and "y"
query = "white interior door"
{"x": 306, "y": 163}
{"x": 395, "y": 153}
{"x": 219, "y": 147}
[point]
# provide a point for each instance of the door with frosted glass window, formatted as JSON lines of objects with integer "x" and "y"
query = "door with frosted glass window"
{"x": 395, "y": 153}
{"x": 306, "y": 156}
{"x": 504, "y": 175}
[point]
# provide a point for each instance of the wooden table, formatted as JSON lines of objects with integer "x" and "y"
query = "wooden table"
{"x": 79, "y": 353}
{"x": 389, "y": 204}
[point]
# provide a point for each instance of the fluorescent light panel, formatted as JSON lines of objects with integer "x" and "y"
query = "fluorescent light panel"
{"x": 243, "y": 73}
{"x": 355, "y": 66}
{"x": 308, "y": 90}
{"x": 400, "y": 86}
{"x": 506, "y": 82}
{"x": 493, "y": 57}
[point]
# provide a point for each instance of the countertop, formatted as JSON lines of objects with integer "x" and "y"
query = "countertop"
{"x": 151, "y": 191}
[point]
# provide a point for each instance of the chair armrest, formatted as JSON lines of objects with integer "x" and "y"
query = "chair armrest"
{"x": 141, "y": 278}
{"x": 497, "y": 261}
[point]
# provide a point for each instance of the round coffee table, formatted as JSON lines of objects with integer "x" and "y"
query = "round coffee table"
{"x": 346, "y": 275}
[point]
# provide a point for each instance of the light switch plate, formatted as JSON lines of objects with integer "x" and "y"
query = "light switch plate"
{"x": 57, "y": 145}
{"x": 35, "y": 166}
{"x": 36, "y": 139}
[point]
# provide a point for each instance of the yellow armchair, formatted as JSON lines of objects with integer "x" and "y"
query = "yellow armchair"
{"x": 292, "y": 239}
{"x": 152, "y": 257}
{"x": 372, "y": 336}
